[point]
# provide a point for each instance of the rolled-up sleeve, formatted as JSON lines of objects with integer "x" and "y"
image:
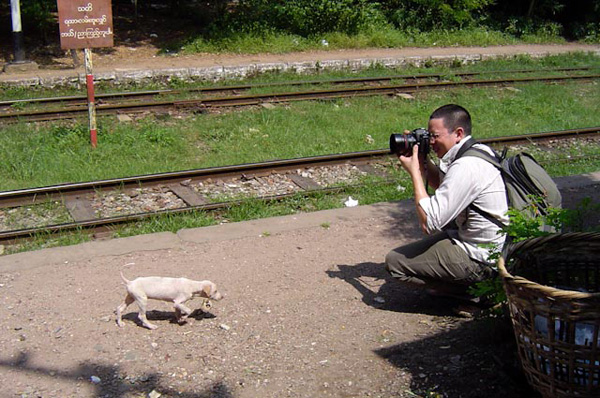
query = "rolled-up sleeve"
{"x": 460, "y": 187}
{"x": 469, "y": 179}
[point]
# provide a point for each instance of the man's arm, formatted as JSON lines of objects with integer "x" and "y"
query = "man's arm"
{"x": 431, "y": 173}
{"x": 412, "y": 164}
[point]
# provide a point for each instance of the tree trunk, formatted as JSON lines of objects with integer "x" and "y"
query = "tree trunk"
{"x": 531, "y": 6}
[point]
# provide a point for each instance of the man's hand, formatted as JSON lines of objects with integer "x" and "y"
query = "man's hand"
{"x": 412, "y": 164}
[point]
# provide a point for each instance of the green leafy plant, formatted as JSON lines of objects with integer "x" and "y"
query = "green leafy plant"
{"x": 522, "y": 226}
{"x": 428, "y": 14}
{"x": 301, "y": 17}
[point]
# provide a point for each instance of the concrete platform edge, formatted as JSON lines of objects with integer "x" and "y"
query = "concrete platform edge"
{"x": 327, "y": 61}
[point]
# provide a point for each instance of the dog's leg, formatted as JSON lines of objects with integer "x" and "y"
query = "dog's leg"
{"x": 142, "y": 301}
{"x": 182, "y": 312}
{"x": 128, "y": 300}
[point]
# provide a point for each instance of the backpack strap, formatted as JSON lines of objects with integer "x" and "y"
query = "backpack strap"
{"x": 487, "y": 216}
{"x": 466, "y": 146}
{"x": 495, "y": 160}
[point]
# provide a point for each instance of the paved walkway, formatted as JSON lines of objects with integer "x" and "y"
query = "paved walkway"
{"x": 127, "y": 64}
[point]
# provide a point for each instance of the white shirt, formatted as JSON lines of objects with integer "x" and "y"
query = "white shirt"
{"x": 468, "y": 180}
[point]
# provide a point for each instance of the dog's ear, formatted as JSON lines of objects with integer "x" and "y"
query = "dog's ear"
{"x": 207, "y": 290}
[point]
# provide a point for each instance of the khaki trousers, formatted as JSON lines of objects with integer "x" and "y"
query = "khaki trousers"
{"x": 436, "y": 262}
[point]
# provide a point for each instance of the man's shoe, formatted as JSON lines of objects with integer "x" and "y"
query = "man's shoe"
{"x": 467, "y": 311}
{"x": 461, "y": 297}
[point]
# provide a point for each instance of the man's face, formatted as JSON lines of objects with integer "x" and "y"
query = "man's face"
{"x": 441, "y": 138}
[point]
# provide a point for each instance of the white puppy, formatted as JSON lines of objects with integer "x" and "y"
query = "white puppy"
{"x": 176, "y": 290}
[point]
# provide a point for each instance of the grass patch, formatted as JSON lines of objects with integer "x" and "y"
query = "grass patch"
{"x": 380, "y": 37}
{"x": 53, "y": 153}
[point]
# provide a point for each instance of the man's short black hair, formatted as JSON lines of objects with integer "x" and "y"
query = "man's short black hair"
{"x": 454, "y": 116}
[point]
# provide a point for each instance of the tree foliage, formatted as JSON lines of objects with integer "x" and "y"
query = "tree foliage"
{"x": 573, "y": 19}
{"x": 301, "y": 17}
{"x": 434, "y": 14}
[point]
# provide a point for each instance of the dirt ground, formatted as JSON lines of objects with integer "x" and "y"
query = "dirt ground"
{"x": 309, "y": 312}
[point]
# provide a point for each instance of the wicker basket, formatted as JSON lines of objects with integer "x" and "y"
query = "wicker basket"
{"x": 554, "y": 305}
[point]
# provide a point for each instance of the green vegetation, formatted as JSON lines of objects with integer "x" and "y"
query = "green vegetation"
{"x": 384, "y": 37}
{"x": 523, "y": 227}
{"x": 252, "y": 26}
{"x": 53, "y": 153}
{"x": 281, "y": 26}
{"x": 59, "y": 152}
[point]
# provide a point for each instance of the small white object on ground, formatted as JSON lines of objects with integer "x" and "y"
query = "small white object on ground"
{"x": 154, "y": 394}
{"x": 351, "y": 202}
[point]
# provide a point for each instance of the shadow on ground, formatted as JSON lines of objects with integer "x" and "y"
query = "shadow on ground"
{"x": 110, "y": 384}
{"x": 463, "y": 358}
{"x": 403, "y": 225}
{"x": 381, "y": 291}
{"x": 156, "y": 315}
{"x": 475, "y": 359}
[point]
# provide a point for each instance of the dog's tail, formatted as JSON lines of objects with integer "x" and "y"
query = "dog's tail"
{"x": 124, "y": 279}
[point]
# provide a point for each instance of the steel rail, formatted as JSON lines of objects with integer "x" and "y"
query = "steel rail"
{"x": 17, "y": 235}
{"x": 19, "y": 196}
{"x": 357, "y": 80}
{"x": 201, "y": 104}
{"x": 32, "y": 195}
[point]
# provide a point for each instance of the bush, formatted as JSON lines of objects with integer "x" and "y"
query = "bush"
{"x": 523, "y": 227}
{"x": 434, "y": 14}
{"x": 38, "y": 17}
{"x": 302, "y": 17}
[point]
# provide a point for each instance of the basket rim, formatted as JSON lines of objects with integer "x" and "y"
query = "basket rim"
{"x": 547, "y": 290}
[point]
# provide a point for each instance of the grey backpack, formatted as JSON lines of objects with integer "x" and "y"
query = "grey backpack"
{"x": 529, "y": 188}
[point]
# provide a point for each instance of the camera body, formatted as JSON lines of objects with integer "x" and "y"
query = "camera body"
{"x": 402, "y": 144}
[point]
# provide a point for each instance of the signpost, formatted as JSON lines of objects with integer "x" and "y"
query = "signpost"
{"x": 86, "y": 24}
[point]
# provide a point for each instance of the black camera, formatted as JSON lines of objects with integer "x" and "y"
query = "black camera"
{"x": 402, "y": 144}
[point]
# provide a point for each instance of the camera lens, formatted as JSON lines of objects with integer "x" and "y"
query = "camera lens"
{"x": 401, "y": 144}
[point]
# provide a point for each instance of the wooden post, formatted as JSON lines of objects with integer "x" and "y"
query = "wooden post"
{"x": 89, "y": 80}
{"x": 86, "y": 24}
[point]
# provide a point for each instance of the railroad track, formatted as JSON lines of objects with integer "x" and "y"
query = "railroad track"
{"x": 130, "y": 103}
{"x": 235, "y": 89}
{"x": 86, "y": 203}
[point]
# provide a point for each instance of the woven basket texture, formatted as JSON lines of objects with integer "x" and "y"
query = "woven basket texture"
{"x": 553, "y": 289}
